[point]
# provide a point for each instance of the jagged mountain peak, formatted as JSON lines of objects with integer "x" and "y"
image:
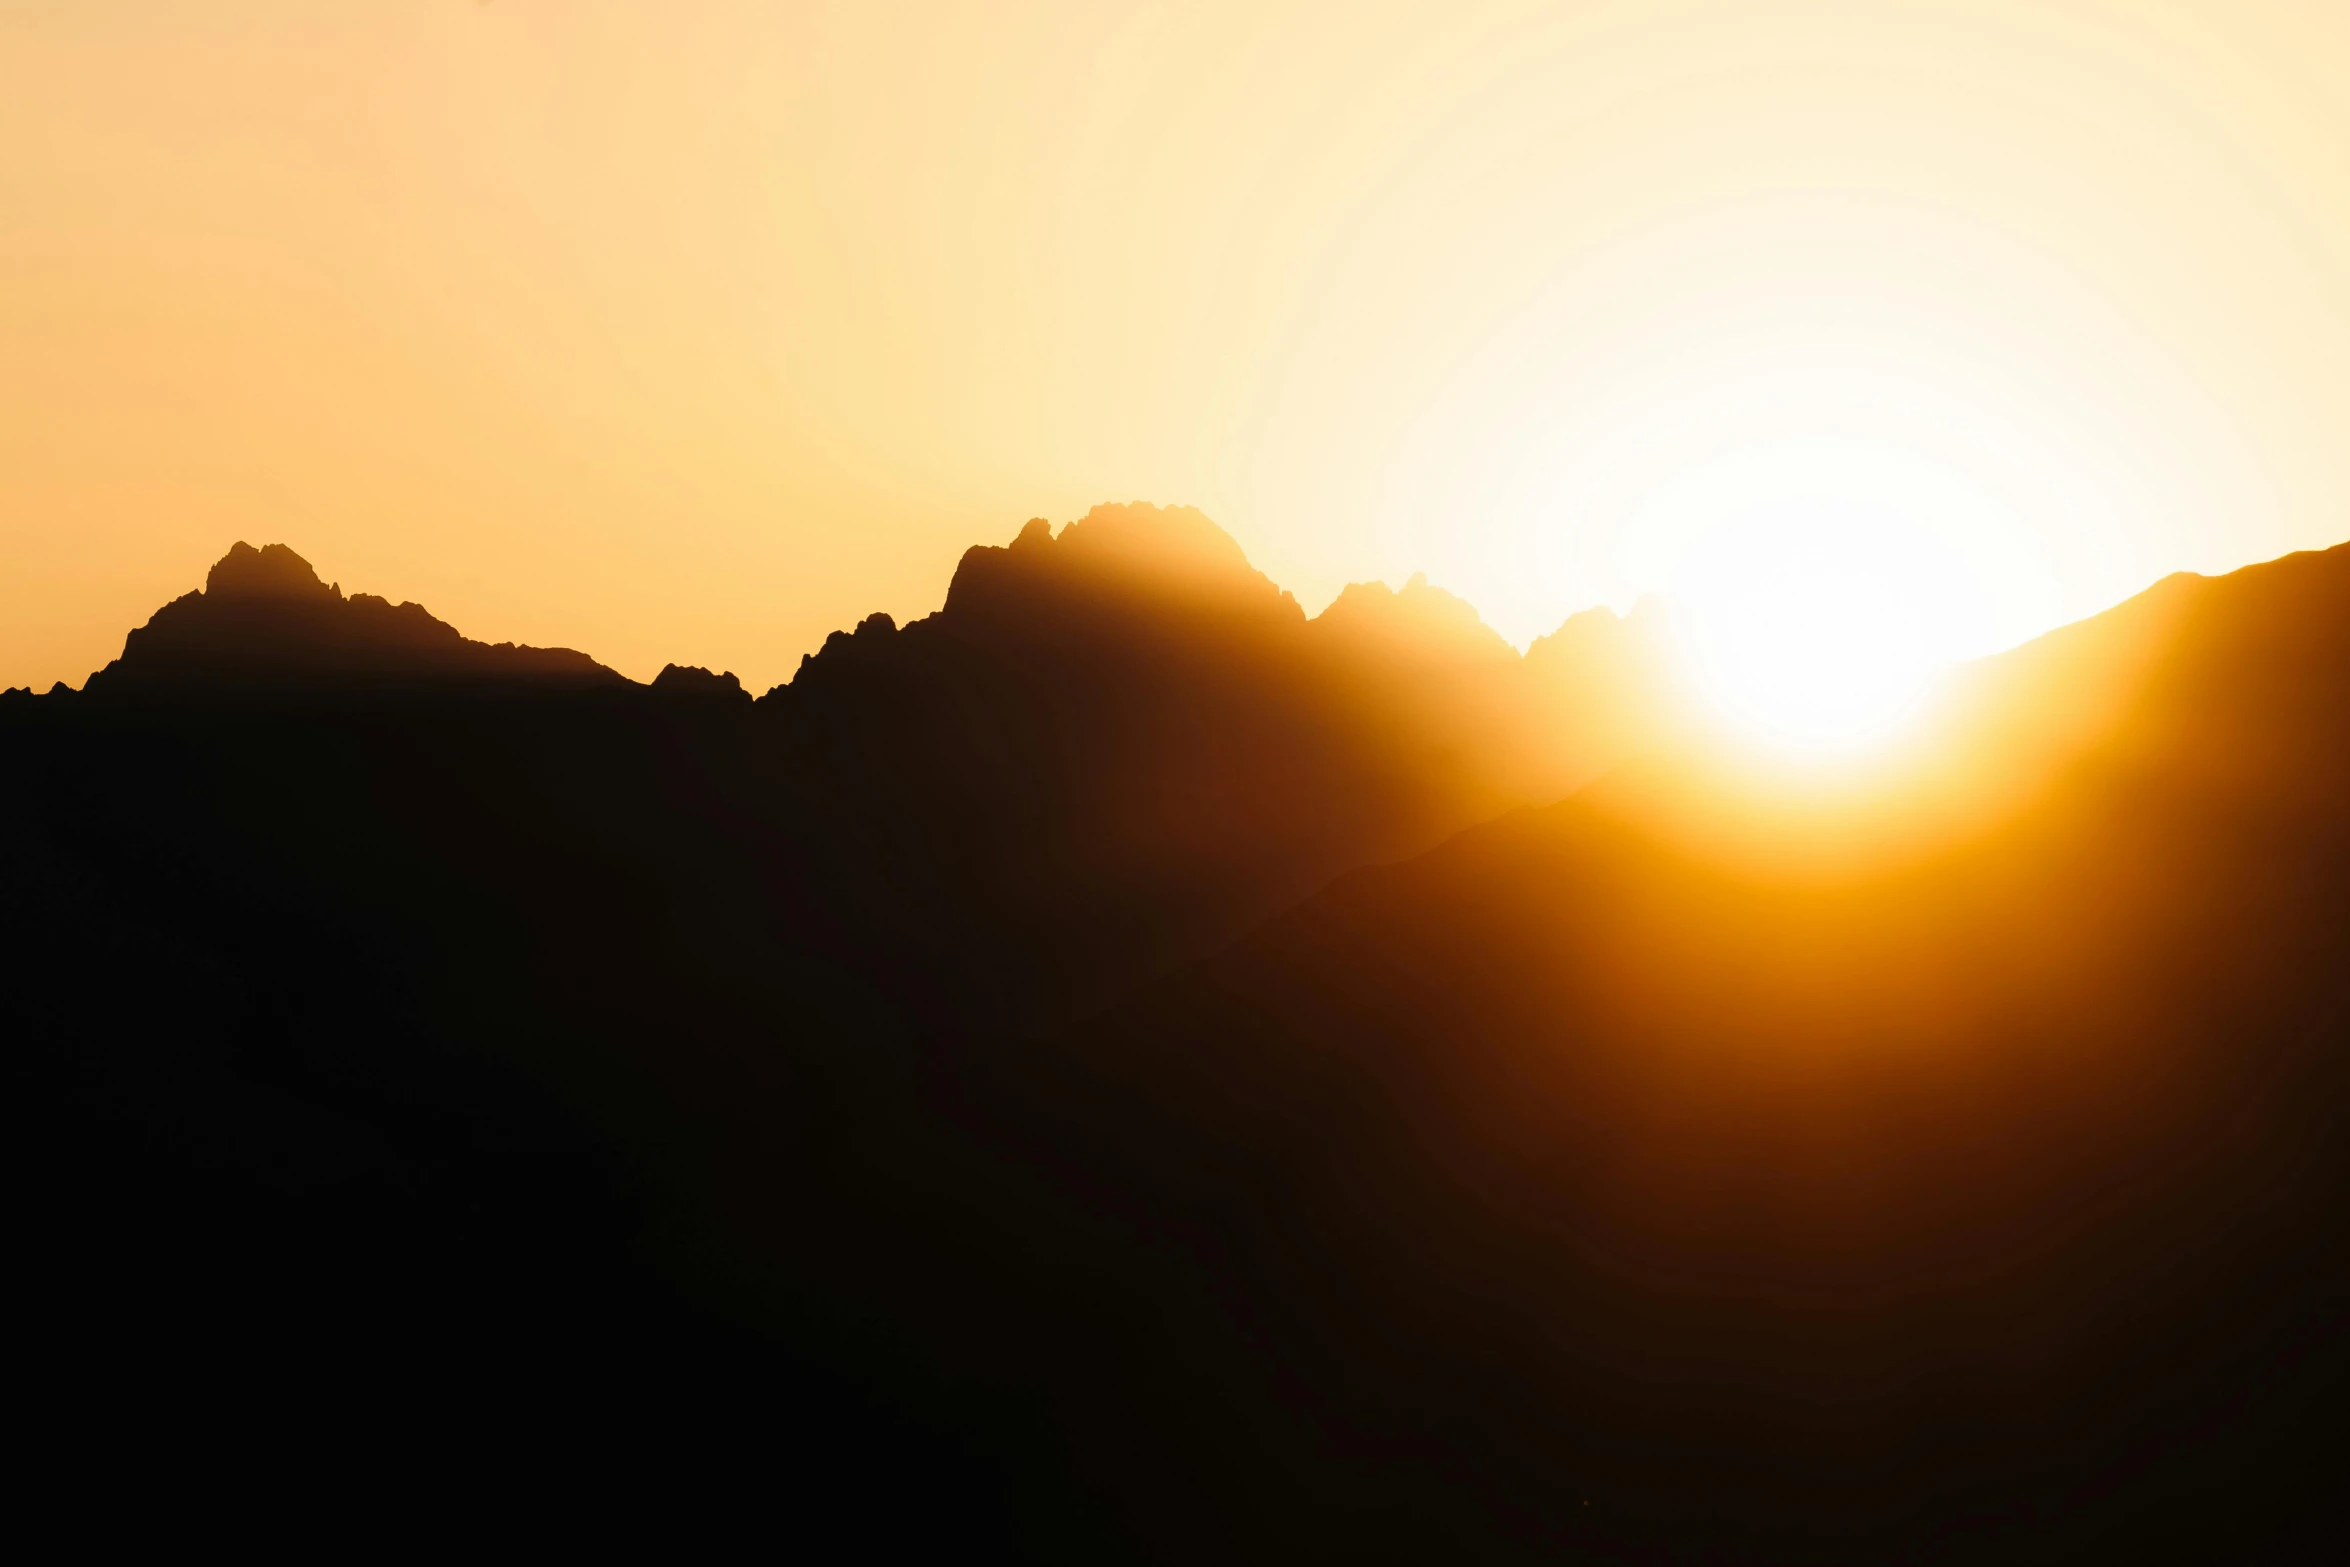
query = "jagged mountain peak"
{"x": 264, "y": 621}
{"x": 1419, "y": 614}
{"x": 270, "y": 572}
{"x": 692, "y": 683}
{"x": 1179, "y": 540}
{"x": 1134, "y": 550}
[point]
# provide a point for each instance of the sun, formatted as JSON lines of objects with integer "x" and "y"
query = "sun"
{"x": 1822, "y": 589}
{"x": 1813, "y": 652}
{"x": 1818, "y": 630}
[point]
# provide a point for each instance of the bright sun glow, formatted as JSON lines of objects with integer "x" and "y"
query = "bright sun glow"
{"x": 1824, "y": 588}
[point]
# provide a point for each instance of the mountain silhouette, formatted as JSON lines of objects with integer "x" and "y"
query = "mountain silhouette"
{"x": 1128, "y": 745}
{"x": 1984, "y": 1201}
{"x": 1118, "y": 1068}
{"x": 263, "y": 619}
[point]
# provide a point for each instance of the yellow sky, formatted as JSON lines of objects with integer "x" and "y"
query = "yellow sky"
{"x": 693, "y": 331}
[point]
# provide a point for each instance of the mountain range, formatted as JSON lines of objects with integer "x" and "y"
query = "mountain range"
{"x": 1119, "y": 1068}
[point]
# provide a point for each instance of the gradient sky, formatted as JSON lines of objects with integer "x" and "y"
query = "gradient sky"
{"x": 693, "y": 331}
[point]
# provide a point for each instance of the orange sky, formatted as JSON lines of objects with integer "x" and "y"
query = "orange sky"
{"x": 692, "y": 331}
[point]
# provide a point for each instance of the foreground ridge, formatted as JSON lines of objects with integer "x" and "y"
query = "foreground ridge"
{"x": 1116, "y": 1068}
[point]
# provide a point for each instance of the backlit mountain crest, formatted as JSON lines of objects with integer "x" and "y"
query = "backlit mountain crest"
{"x": 265, "y": 620}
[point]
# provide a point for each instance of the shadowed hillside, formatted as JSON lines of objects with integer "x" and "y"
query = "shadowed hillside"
{"x": 500, "y": 1079}
{"x": 1132, "y": 744}
{"x": 1107, "y": 753}
{"x": 374, "y": 985}
{"x": 1978, "y": 1195}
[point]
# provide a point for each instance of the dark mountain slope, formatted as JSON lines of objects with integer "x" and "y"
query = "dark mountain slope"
{"x": 594, "y": 1100}
{"x": 1129, "y": 745}
{"x": 1806, "y": 1189}
{"x": 399, "y": 1024}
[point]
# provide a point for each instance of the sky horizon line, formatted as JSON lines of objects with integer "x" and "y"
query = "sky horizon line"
{"x": 1311, "y": 611}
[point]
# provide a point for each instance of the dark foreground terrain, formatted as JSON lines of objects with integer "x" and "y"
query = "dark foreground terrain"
{"x": 1118, "y": 1069}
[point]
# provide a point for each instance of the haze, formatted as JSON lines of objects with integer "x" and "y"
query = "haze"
{"x": 695, "y": 332}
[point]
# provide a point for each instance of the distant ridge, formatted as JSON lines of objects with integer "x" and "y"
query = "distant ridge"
{"x": 264, "y": 621}
{"x": 1172, "y": 555}
{"x": 692, "y": 683}
{"x": 1112, "y": 748}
